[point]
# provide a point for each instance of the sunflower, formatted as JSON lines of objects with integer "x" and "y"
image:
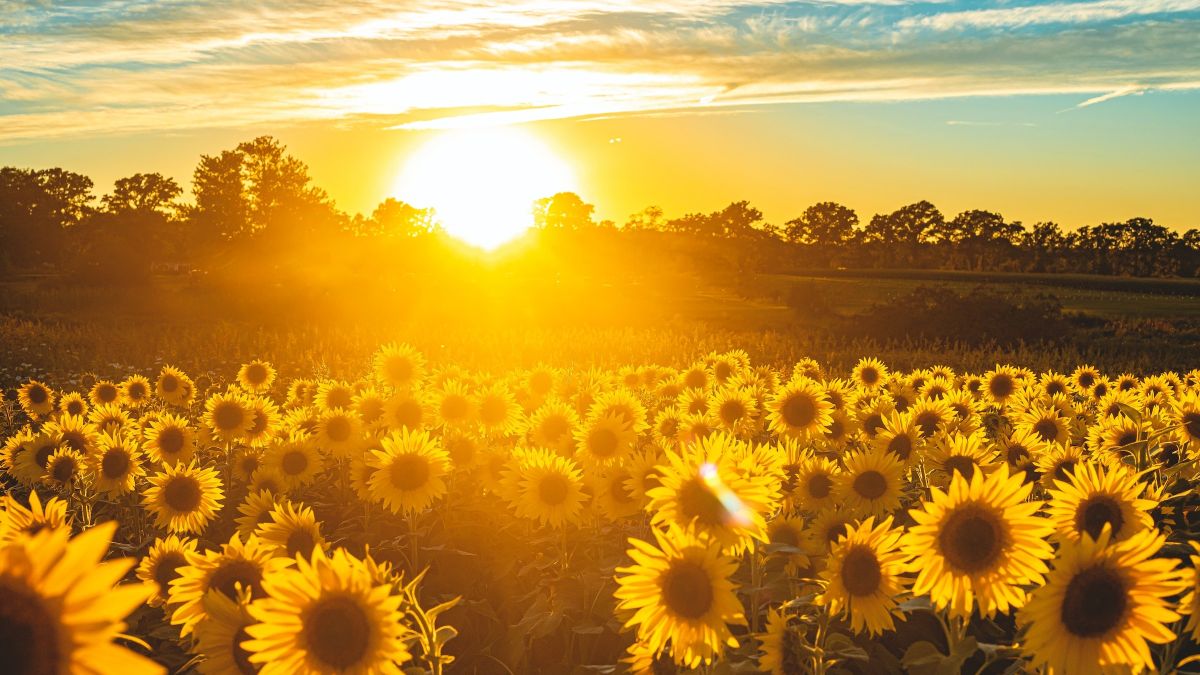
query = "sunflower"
{"x": 540, "y": 381}
{"x": 109, "y": 418}
{"x": 1185, "y": 415}
{"x": 228, "y": 415}
{"x": 1113, "y": 434}
{"x": 680, "y": 594}
{"x": 1084, "y": 378}
{"x": 103, "y": 393}
{"x": 1058, "y": 463}
{"x": 255, "y": 510}
{"x": 978, "y": 543}
{"x": 870, "y": 374}
{"x": 408, "y": 409}
{"x": 899, "y": 437}
{"x": 267, "y": 478}
{"x": 644, "y": 474}
{"x": 1020, "y": 450}
{"x": 824, "y": 529}
{"x": 553, "y": 425}
{"x": 256, "y": 376}
{"x": 799, "y": 410}
{"x": 370, "y": 407}
{"x": 35, "y": 449}
{"x": 334, "y": 394}
{"x": 864, "y": 576}
{"x": 1101, "y": 604}
{"x": 871, "y": 484}
{"x": 162, "y": 564}
{"x": 604, "y": 440}
{"x": 59, "y": 609}
{"x": 36, "y": 399}
{"x": 1046, "y": 423}
{"x": 184, "y": 497}
{"x": 73, "y": 432}
{"x": 783, "y": 650}
{"x": 930, "y": 416}
{"x": 735, "y": 410}
{"x": 784, "y": 531}
{"x": 1093, "y": 497}
{"x": 399, "y": 366}
{"x": 135, "y": 391}
{"x": 338, "y": 431}
{"x": 264, "y": 421}
{"x": 453, "y": 404}
{"x": 814, "y": 485}
{"x": 301, "y": 393}
{"x": 1001, "y": 383}
{"x": 292, "y": 531}
{"x": 611, "y": 496}
{"x": 220, "y": 635}
{"x": 328, "y": 614}
{"x": 235, "y": 564}
{"x": 622, "y": 403}
{"x": 296, "y": 460}
{"x": 174, "y": 387}
{"x": 170, "y": 440}
{"x": 63, "y": 468}
{"x": 668, "y": 425}
{"x": 1051, "y": 383}
{"x": 73, "y": 403}
{"x": 547, "y": 489}
{"x": 1190, "y": 603}
{"x": 965, "y": 408}
{"x": 410, "y": 467}
{"x": 872, "y": 413}
{"x": 703, "y": 488}
{"x": 961, "y": 454}
{"x": 497, "y": 411}
{"x": 19, "y": 519}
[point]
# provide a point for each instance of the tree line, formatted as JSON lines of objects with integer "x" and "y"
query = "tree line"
{"x": 257, "y": 198}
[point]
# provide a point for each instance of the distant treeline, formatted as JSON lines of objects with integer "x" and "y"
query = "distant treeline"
{"x": 256, "y": 200}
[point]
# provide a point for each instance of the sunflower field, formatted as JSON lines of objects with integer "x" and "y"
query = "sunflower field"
{"x": 718, "y": 517}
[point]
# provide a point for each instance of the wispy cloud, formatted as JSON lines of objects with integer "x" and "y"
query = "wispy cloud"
{"x": 121, "y": 66}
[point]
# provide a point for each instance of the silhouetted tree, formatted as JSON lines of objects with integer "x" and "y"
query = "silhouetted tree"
{"x": 823, "y": 223}
{"x": 395, "y": 218}
{"x": 36, "y": 209}
{"x": 563, "y": 211}
{"x": 649, "y": 218}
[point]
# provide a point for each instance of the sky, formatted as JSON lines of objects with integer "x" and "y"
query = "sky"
{"x": 1076, "y": 111}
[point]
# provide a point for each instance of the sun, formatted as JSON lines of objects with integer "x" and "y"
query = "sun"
{"x": 482, "y": 182}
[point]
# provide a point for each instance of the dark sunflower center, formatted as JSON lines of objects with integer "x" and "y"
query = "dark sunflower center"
{"x": 492, "y": 411}
{"x": 698, "y": 502}
{"x": 115, "y": 464}
{"x": 603, "y": 442}
{"x": 42, "y": 455}
{"x": 107, "y": 393}
{"x": 1086, "y": 380}
{"x": 461, "y": 450}
{"x": 1017, "y": 455}
{"x": 340, "y": 397}
{"x": 410, "y": 472}
{"x": 695, "y": 379}
{"x": 799, "y": 411}
{"x": 960, "y": 464}
{"x": 697, "y": 406}
{"x": 241, "y": 658}
{"x": 300, "y": 541}
{"x": 971, "y": 539}
{"x": 669, "y": 427}
{"x": 820, "y": 485}
{"x": 553, "y": 489}
{"x": 294, "y": 462}
{"x": 873, "y": 424}
{"x": 687, "y": 590}
{"x": 137, "y": 391}
{"x": 1094, "y": 512}
{"x": 170, "y": 440}
{"x": 836, "y": 429}
{"x": 29, "y": 637}
{"x": 75, "y": 407}
{"x": 901, "y": 446}
{"x": 183, "y": 494}
{"x": 338, "y": 429}
{"x": 338, "y": 632}
{"x": 38, "y": 395}
{"x": 783, "y": 533}
{"x": 722, "y": 371}
{"x": 1001, "y": 386}
{"x": 928, "y": 422}
{"x": 617, "y": 488}
{"x": 256, "y": 374}
{"x": 870, "y": 484}
{"x": 64, "y": 470}
{"x": 454, "y": 407}
{"x": 869, "y": 376}
{"x": 1047, "y": 429}
{"x": 409, "y": 414}
{"x": 75, "y": 440}
{"x": 167, "y": 569}
{"x": 259, "y": 424}
{"x": 835, "y": 530}
{"x": 1095, "y": 602}
{"x": 168, "y": 383}
{"x": 555, "y": 427}
{"x": 732, "y": 411}
{"x": 229, "y": 415}
{"x": 1191, "y": 422}
{"x": 233, "y": 572}
{"x": 1064, "y": 469}
{"x": 370, "y": 409}
{"x": 400, "y": 369}
{"x": 861, "y": 573}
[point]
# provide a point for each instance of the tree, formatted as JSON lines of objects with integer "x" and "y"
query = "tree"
{"x": 36, "y": 210}
{"x": 258, "y": 189}
{"x": 563, "y": 211}
{"x": 738, "y": 220}
{"x": 395, "y": 218}
{"x": 909, "y": 224}
{"x": 649, "y": 218}
{"x": 823, "y": 223}
{"x": 143, "y": 192}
